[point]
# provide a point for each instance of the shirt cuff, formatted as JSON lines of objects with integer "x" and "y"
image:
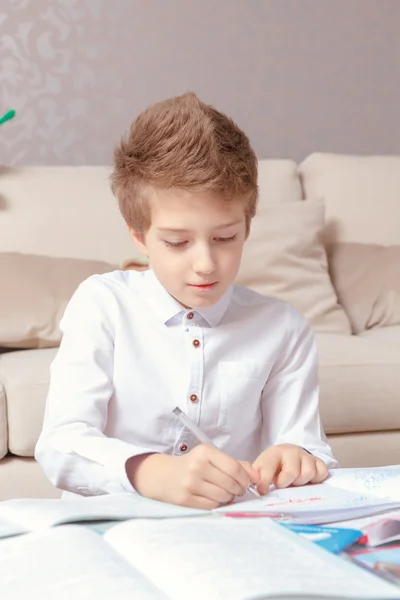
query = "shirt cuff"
{"x": 110, "y": 454}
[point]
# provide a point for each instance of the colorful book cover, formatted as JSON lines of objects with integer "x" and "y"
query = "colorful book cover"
{"x": 333, "y": 539}
{"x": 384, "y": 562}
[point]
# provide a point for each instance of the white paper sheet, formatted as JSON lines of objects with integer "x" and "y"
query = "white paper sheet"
{"x": 377, "y": 481}
{"x": 8, "y": 529}
{"x": 347, "y": 494}
{"x": 35, "y": 514}
{"x": 239, "y": 559}
{"x": 68, "y": 563}
{"x": 314, "y": 504}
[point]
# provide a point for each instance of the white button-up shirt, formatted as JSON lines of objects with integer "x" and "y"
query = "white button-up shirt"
{"x": 244, "y": 370}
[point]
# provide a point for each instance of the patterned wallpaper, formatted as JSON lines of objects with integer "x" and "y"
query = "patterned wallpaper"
{"x": 297, "y": 75}
{"x": 53, "y": 68}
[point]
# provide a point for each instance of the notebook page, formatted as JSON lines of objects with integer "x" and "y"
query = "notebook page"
{"x": 376, "y": 481}
{"x": 68, "y": 563}
{"x": 239, "y": 559}
{"x": 8, "y": 529}
{"x": 318, "y": 503}
{"x": 35, "y": 514}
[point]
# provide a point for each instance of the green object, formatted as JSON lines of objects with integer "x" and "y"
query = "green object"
{"x": 9, "y": 115}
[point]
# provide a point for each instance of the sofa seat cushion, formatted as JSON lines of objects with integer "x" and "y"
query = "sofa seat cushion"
{"x": 25, "y": 378}
{"x": 386, "y": 335}
{"x": 24, "y": 478}
{"x": 360, "y": 384}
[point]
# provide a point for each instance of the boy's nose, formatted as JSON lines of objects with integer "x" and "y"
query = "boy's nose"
{"x": 204, "y": 264}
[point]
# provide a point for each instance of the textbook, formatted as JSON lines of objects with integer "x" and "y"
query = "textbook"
{"x": 346, "y": 494}
{"x": 378, "y": 529}
{"x": 177, "y": 559}
{"x": 384, "y": 562}
{"x": 26, "y": 514}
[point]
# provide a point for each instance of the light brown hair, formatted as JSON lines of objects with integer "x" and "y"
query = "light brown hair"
{"x": 184, "y": 144}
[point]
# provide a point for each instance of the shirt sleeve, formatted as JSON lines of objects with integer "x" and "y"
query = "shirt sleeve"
{"x": 290, "y": 399}
{"x": 72, "y": 449}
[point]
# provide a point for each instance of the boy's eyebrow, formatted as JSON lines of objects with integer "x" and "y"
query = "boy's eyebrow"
{"x": 177, "y": 230}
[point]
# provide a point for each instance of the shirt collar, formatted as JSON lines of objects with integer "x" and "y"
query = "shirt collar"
{"x": 213, "y": 314}
{"x": 166, "y": 307}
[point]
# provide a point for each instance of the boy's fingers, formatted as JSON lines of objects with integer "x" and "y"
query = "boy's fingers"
{"x": 214, "y": 493}
{"x": 231, "y": 467}
{"x": 253, "y": 473}
{"x": 218, "y": 478}
{"x": 308, "y": 470}
{"x": 267, "y": 472}
{"x": 290, "y": 471}
{"x": 322, "y": 472}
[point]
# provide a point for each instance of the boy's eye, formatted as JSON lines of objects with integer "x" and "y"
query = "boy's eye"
{"x": 174, "y": 244}
{"x": 182, "y": 244}
{"x": 227, "y": 239}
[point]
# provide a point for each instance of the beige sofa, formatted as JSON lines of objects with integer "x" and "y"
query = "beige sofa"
{"x": 70, "y": 212}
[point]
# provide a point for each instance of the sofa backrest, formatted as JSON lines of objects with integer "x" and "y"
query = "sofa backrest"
{"x": 63, "y": 212}
{"x": 71, "y": 212}
{"x": 361, "y": 194}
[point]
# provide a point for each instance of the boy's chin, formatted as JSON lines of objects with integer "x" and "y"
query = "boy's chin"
{"x": 200, "y": 301}
{"x": 194, "y": 300}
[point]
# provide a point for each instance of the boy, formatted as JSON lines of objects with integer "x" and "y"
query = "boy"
{"x": 137, "y": 344}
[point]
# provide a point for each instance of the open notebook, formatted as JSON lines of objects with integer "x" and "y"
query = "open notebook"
{"x": 348, "y": 493}
{"x": 31, "y": 514}
{"x": 177, "y": 559}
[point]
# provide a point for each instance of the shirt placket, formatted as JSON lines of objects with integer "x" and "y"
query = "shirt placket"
{"x": 194, "y": 343}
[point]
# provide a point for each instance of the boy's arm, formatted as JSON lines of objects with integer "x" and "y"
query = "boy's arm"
{"x": 72, "y": 448}
{"x": 290, "y": 399}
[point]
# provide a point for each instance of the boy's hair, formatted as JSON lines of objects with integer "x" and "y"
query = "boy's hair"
{"x": 183, "y": 144}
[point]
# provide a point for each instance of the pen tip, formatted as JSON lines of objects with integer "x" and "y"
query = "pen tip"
{"x": 176, "y": 411}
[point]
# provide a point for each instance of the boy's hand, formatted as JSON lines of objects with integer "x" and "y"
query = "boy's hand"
{"x": 287, "y": 464}
{"x": 203, "y": 478}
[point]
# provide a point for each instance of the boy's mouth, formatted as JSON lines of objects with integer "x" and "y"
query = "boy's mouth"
{"x": 203, "y": 287}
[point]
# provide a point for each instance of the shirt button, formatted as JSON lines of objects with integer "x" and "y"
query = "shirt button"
{"x": 196, "y": 343}
{"x": 190, "y": 315}
{"x": 183, "y": 447}
{"x": 193, "y": 398}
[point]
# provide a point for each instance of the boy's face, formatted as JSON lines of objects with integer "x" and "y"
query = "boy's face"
{"x": 194, "y": 245}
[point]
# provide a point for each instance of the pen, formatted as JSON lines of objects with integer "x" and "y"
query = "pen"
{"x": 204, "y": 439}
{"x": 252, "y": 515}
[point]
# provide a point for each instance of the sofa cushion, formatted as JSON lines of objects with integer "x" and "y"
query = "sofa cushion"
{"x": 36, "y": 294}
{"x": 361, "y": 195}
{"x": 284, "y": 257}
{"x": 278, "y": 182}
{"x": 360, "y": 384}
{"x": 3, "y": 422}
{"x": 25, "y": 377}
{"x": 366, "y": 278}
{"x": 62, "y": 211}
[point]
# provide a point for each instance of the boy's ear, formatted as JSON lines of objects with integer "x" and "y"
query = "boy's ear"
{"x": 138, "y": 238}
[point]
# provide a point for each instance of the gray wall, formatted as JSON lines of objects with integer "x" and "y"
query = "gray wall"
{"x": 297, "y": 75}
